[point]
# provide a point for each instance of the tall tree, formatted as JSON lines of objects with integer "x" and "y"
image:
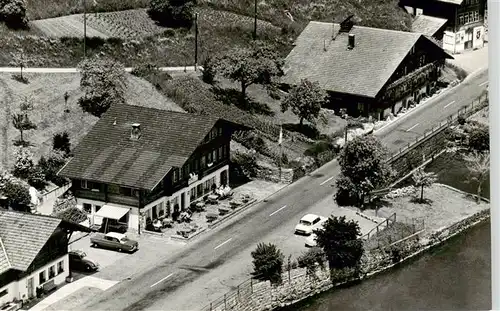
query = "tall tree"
{"x": 363, "y": 169}
{"x": 479, "y": 168}
{"x": 20, "y": 60}
{"x": 22, "y": 123}
{"x": 60, "y": 141}
{"x": 306, "y": 100}
{"x": 268, "y": 262}
{"x": 104, "y": 82}
{"x": 172, "y": 13}
{"x": 247, "y": 66}
{"x": 340, "y": 241}
{"x": 479, "y": 138}
{"x": 423, "y": 179}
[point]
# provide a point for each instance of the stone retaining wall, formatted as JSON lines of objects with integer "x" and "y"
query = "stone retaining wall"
{"x": 271, "y": 173}
{"x": 261, "y": 296}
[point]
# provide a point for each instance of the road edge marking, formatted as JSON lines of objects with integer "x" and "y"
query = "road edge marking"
{"x": 324, "y": 182}
{"x": 227, "y": 241}
{"x": 451, "y": 103}
{"x": 279, "y": 209}
{"x": 162, "y": 280}
{"x": 411, "y": 128}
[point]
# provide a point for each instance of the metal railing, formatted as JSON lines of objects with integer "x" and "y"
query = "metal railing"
{"x": 379, "y": 227}
{"x": 465, "y": 111}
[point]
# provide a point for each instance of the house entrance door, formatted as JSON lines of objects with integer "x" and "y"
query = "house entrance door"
{"x": 31, "y": 287}
{"x": 183, "y": 200}
{"x": 223, "y": 178}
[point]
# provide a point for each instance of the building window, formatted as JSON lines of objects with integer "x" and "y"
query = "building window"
{"x": 220, "y": 131}
{"x": 84, "y": 184}
{"x": 460, "y": 19}
{"x": 466, "y": 18}
{"x": 203, "y": 162}
{"x": 52, "y": 272}
{"x": 126, "y": 191}
{"x": 4, "y": 292}
{"x": 41, "y": 277}
{"x": 97, "y": 208}
{"x": 60, "y": 267}
{"x": 476, "y": 16}
{"x": 175, "y": 175}
{"x": 87, "y": 208}
{"x": 214, "y": 155}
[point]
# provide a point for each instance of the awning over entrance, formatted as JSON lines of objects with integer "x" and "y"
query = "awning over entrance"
{"x": 112, "y": 212}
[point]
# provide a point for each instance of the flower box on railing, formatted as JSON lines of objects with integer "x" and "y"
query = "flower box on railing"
{"x": 409, "y": 82}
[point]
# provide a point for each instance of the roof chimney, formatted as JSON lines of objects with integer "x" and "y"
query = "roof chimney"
{"x": 347, "y": 24}
{"x": 136, "y": 131}
{"x": 350, "y": 45}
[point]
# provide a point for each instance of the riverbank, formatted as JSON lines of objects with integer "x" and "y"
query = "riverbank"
{"x": 297, "y": 285}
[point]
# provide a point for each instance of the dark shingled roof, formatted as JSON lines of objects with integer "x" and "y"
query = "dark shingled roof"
{"x": 362, "y": 71}
{"x": 4, "y": 259}
{"x": 427, "y": 25}
{"x": 108, "y": 155}
{"x": 23, "y": 235}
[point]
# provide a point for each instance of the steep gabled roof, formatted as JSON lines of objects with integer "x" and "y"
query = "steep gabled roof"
{"x": 427, "y": 25}
{"x": 4, "y": 258}
{"x": 108, "y": 155}
{"x": 23, "y": 236}
{"x": 361, "y": 71}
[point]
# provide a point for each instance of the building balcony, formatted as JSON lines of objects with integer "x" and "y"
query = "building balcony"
{"x": 124, "y": 200}
{"x": 90, "y": 195}
{"x": 408, "y": 83}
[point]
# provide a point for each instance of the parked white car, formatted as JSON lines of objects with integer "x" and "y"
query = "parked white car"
{"x": 311, "y": 240}
{"x": 309, "y": 223}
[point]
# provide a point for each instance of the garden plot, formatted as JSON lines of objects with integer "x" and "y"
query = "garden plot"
{"x": 67, "y": 26}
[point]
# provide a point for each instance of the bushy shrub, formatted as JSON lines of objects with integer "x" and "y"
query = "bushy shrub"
{"x": 18, "y": 196}
{"x": 209, "y": 70}
{"x": 247, "y": 162}
{"x": 345, "y": 195}
{"x": 461, "y": 120}
{"x": 311, "y": 259}
{"x": 298, "y": 171}
{"x": 60, "y": 141}
{"x": 172, "y": 13}
{"x": 479, "y": 138}
{"x": 268, "y": 263}
{"x": 51, "y": 165}
{"x": 24, "y": 164}
{"x": 13, "y": 13}
{"x": 308, "y": 130}
{"x": 37, "y": 178}
{"x": 318, "y": 148}
{"x": 251, "y": 140}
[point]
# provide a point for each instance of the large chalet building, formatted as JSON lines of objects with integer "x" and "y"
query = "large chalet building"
{"x": 139, "y": 163}
{"x": 33, "y": 254}
{"x": 367, "y": 71}
{"x": 465, "y": 21}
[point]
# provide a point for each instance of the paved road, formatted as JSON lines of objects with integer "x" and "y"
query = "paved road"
{"x": 73, "y": 70}
{"x": 181, "y": 281}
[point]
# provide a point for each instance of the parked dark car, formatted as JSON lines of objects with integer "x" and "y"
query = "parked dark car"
{"x": 114, "y": 240}
{"x": 78, "y": 260}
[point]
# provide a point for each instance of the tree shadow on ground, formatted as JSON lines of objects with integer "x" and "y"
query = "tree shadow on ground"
{"x": 233, "y": 97}
{"x": 417, "y": 200}
{"x": 22, "y": 143}
{"x": 376, "y": 204}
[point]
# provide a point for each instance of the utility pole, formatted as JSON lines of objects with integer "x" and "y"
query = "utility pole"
{"x": 196, "y": 41}
{"x": 84, "y": 28}
{"x": 255, "y": 22}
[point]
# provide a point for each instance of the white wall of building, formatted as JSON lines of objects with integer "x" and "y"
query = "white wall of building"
{"x": 12, "y": 292}
{"x": 19, "y": 289}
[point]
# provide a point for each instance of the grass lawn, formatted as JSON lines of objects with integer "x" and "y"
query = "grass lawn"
{"x": 445, "y": 208}
{"x": 47, "y": 92}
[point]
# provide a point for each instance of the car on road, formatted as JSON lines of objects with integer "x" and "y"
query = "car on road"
{"x": 311, "y": 240}
{"x": 78, "y": 260}
{"x": 114, "y": 240}
{"x": 309, "y": 223}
